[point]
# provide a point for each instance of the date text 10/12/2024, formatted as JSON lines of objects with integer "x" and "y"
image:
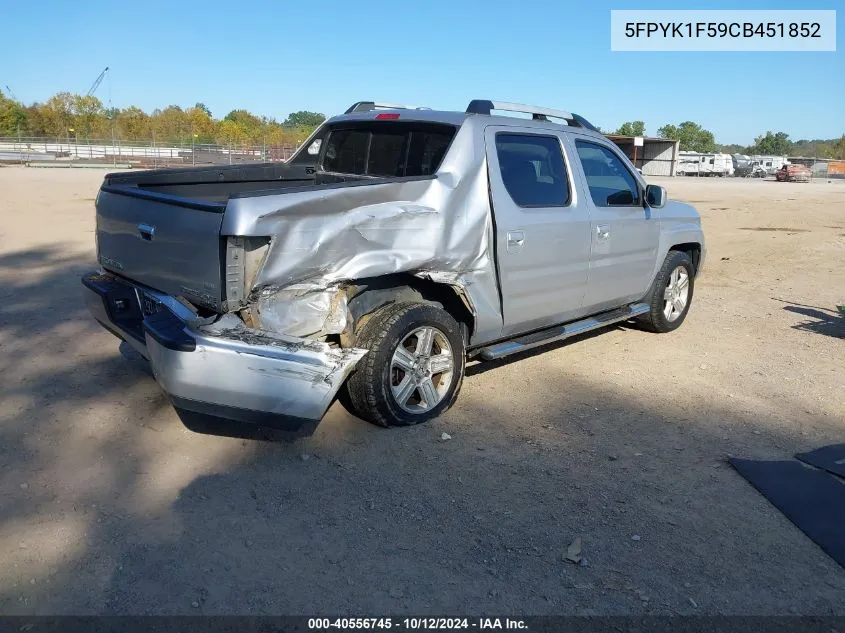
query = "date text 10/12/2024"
{"x": 413, "y": 624}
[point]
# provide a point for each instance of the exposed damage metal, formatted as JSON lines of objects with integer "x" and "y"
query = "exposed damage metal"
{"x": 432, "y": 228}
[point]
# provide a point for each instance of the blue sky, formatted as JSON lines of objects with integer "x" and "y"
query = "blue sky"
{"x": 276, "y": 57}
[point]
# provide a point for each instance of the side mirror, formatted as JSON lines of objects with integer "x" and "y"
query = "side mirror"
{"x": 655, "y": 196}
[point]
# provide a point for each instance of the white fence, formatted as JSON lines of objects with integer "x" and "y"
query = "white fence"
{"x": 26, "y": 150}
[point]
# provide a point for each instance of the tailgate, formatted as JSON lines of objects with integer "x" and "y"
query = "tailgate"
{"x": 169, "y": 243}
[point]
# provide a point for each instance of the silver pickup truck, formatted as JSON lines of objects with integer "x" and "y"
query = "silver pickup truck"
{"x": 395, "y": 245}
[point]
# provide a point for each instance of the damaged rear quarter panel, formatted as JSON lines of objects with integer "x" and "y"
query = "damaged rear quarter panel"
{"x": 323, "y": 236}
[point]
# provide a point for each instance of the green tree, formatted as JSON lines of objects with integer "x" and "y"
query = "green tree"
{"x": 631, "y": 128}
{"x": 57, "y": 114}
{"x": 230, "y": 133}
{"x": 243, "y": 118}
{"x": 775, "y": 144}
{"x": 250, "y": 127}
{"x": 692, "y": 136}
{"x": 304, "y": 118}
{"x": 133, "y": 124}
{"x": 35, "y": 122}
{"x": 86, "y": 111}
{"x": 171, "y": 125}
{"x": 202, "y": 126}
{"x": 839, "y": 148}
{"x": 201, "y": 106}
{"x": 12, "y": 116}
{"x": 733, "y": 148}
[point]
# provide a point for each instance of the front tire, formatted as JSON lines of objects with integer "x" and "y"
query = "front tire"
{"x": 415, "y": 365}
{"x": 671, "y": 294}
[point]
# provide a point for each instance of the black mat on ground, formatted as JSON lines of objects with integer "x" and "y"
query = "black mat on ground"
{"x": 830, "y": 458}
{"x": 812, "y": 499}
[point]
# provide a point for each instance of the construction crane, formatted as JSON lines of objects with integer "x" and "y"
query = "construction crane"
{"x": 97, "y": 82}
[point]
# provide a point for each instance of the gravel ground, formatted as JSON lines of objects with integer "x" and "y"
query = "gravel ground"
{"x": 111, "y": 505}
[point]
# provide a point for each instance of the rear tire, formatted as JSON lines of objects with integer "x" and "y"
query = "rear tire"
{"x": 671, "y": 294}
{"x": 414, "y": 368}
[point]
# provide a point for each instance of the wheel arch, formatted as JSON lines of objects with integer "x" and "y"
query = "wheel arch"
{"x": 365, "y": 296}
{"x": 693, "y": 249}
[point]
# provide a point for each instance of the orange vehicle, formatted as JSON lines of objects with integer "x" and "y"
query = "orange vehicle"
{"x": 794, "y": 173}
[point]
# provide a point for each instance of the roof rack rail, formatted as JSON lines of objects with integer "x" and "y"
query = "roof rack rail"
{"x": 485, "y": 106}
{"x": 369, "y": 106}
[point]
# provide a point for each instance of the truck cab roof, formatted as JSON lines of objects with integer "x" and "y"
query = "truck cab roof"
{"x": 479, "y": 111}
{"x": 493, "y": 112}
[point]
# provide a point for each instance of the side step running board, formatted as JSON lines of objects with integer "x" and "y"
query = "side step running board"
{"x": 560, "y": 332}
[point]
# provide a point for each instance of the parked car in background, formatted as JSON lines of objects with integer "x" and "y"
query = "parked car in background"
{"x": 764, "y": 166}
{"x": 794, "y": 173}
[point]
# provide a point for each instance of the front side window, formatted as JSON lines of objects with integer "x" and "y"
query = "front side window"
{"x": 610, "y": 182}
{"x": 532, "y": 169}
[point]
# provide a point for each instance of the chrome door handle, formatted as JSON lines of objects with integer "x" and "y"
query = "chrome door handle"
{"x": 516, "y": 239}
{"x": 147, "y": 232}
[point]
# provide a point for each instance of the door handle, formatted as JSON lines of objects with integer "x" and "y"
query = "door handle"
{"x": 516, "y": 239}
{"x": 147, "y": 232}
{"x": 602, "y": 231}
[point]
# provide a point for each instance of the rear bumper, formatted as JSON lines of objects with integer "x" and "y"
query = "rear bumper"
{"x": 222, "y": 368}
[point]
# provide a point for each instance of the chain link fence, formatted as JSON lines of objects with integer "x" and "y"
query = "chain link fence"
{"x": 44, "y": 152}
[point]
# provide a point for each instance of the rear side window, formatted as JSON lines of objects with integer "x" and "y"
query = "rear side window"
{"x": 532, "y": 169}
{"x": 610, "y": 182}
{"x": 387, "y": 149}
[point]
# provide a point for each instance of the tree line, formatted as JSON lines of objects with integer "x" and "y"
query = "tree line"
{"x": 693, "y": 137}
{"x": 75, "y": 116}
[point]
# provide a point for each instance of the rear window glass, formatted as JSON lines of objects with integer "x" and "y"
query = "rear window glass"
{"x": 387, "y": 149}
{"x": 347, "y": 152}
{"x": 387, "y": 154}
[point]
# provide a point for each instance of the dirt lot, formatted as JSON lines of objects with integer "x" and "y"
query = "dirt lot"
{"x": 109, "y": 504}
